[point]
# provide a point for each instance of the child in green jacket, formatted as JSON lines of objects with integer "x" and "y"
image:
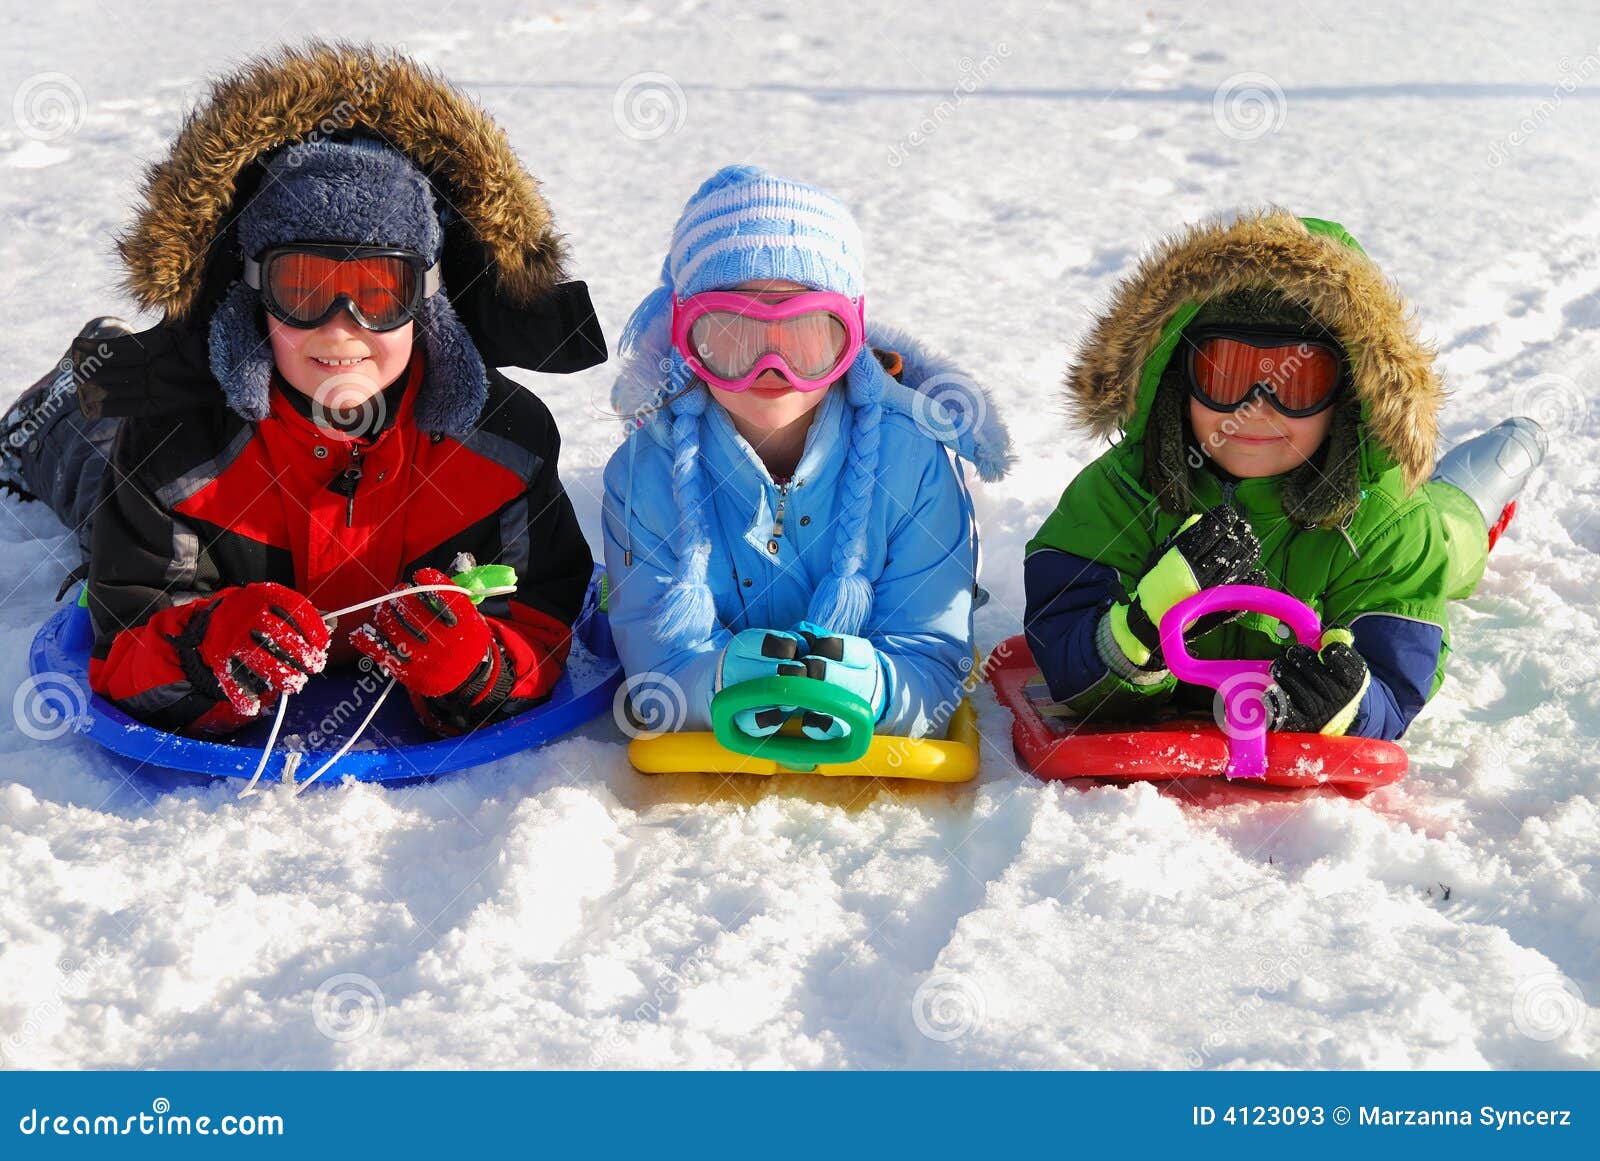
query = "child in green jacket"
{"x": 1277, "y": 416}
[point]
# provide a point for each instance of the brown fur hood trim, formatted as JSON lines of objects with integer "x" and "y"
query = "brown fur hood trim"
{"x": 324, "y": 89}
{"x": 1320, "y": 267}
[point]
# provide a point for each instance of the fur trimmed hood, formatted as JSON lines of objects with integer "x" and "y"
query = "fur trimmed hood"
{"x": 323, "y": 90}
{"x": 467, "y": 200}
{"x": 1112, "y": 380}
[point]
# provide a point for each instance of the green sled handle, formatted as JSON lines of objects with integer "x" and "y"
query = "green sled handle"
{"x": 484, "y": 580}
{"x": 796, "y": 753}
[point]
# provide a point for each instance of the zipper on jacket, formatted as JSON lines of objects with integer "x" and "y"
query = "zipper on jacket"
{"x": 346, "y": 483}
{"x": 777, "y": 517}
{"x": 1344, "y": 531}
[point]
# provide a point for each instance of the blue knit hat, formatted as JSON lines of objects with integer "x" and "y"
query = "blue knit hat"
{"x": 745, "y": 224}
{"x": 362, "y": 192}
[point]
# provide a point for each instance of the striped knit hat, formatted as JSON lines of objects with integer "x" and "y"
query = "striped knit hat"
{"x": 745, "y": 224}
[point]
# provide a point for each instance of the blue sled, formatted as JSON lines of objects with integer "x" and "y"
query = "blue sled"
{"x": 395, "y": 747}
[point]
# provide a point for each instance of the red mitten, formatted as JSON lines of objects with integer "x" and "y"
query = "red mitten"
{"x": 255, "y": 642}
{"x": 434, "y": 643}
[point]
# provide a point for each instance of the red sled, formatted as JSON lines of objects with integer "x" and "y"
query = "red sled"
{"x": 1059, "y": 749}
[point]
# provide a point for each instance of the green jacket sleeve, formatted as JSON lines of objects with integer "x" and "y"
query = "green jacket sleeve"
{"x": 1403, "y": 571}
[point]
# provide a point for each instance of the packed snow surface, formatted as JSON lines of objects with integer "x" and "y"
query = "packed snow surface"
{"x": 557, "y": 909}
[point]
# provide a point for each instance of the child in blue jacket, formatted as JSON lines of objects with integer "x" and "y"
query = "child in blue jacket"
{"x": 785, "y": 502}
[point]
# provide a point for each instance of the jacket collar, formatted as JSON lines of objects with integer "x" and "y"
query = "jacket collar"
{"x": 735, "y": 467}
{"x": 825, "y": 444}
{"x": 380, "y": 413}
{"x": 297, "y": 418}
{"x": 1259, "y": 498}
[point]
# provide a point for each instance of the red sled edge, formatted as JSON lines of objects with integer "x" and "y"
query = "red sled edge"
{"x": 1175, "y": 750}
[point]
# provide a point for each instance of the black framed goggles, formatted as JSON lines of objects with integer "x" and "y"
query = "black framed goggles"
{"x": 1299, "y": 375}
{"x": 306, "y": 284}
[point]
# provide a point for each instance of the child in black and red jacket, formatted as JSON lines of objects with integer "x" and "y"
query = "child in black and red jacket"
{"x": 315, "y": 423}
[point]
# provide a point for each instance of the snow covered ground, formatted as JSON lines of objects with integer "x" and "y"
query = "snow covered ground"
{"x": 557, "y": 909}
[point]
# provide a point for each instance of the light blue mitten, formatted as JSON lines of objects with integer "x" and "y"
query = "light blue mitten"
{"x": 851, "y": 663}
{"x": 757, "y": 653}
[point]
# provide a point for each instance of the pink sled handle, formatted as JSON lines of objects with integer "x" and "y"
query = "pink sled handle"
{"x": 1240, "y": 682}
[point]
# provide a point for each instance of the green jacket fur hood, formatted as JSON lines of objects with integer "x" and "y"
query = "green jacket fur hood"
{"x": 1352, "y": 539}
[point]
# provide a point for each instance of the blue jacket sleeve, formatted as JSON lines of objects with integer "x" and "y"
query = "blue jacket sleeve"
{"x": 1066, "y": 596}
{"x": 671, "y": 687}
{"x": 1402, "y": 655}
{"x": 921, "y": 620}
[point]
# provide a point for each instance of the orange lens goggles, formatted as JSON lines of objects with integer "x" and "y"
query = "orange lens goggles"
{"x": 305, "y": 286}
{"x": 1299, "y": 376}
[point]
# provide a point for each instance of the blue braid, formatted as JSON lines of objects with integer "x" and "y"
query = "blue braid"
{"x": 687, "y": 613}
{"x": 843, "y": 601}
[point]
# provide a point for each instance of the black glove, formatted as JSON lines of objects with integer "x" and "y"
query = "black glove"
{"x": 1318, "y": 691}
{"x": 1216, "y": 548}
{"x": 165, "y": 369}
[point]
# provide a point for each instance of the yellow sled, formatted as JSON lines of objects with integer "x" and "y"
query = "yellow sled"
{"x": 727, "y": 751}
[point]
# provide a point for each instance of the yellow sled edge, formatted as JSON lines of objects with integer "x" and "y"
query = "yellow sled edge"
{"x": 952, "y": 759}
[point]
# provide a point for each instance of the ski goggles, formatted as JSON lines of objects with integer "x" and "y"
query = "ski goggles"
{"x": 305, "y": 285}
{"x": 1298, "y": 375}
{"x": 730, "y": 337}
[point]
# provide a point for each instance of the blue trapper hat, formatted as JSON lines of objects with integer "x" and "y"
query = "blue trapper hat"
{"x": 362, "y": 192}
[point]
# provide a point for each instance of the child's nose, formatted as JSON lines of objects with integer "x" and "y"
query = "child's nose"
{"x": 341, "y": 326}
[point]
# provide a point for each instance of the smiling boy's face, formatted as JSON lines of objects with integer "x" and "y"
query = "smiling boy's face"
{"x": 340, "y": 364}
{"x": 1257, "y": 440}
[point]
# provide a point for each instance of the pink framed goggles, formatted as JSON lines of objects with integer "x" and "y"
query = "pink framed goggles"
{"x": 730, "y": 337}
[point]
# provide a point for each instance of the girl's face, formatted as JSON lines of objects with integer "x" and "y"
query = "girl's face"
{"x": 770, "y": 403}
{"x": 1257, "y": 440}
{"x": 341, "y": 364}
